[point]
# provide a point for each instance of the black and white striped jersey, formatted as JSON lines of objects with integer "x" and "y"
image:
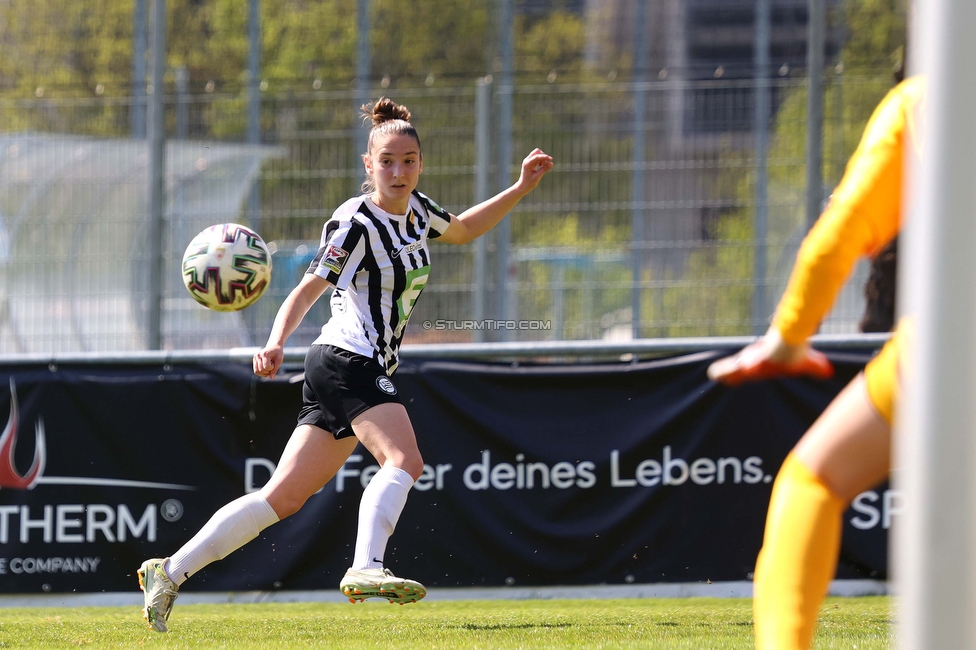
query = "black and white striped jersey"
{"x": 379, "y": 263}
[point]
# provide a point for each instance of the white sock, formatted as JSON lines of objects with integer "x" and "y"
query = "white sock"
{"x": 230, "y": 528}
{"x": 380, "y": 508}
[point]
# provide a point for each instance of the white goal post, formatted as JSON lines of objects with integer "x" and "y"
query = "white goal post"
{"x": 935, "y": 543}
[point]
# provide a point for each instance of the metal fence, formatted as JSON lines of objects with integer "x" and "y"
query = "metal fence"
{"x": 655, "y": 240}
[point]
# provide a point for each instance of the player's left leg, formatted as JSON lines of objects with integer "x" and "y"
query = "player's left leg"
{"x": 846, "y": 451}
{"x": 386, "y": 432}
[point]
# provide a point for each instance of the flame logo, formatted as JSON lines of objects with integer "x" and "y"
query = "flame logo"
{"x": 9, "y": 477}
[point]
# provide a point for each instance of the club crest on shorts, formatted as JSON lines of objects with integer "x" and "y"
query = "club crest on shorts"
{"x": 385, "y": 385}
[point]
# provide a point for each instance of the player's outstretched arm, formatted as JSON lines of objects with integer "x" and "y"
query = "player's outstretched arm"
{"x": 477, "y": 220}
{"x": 770, "y": 357}
{"x": 267, "y": 360}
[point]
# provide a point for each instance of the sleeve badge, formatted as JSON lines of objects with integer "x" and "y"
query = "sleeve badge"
{"x": 334, "y": 258}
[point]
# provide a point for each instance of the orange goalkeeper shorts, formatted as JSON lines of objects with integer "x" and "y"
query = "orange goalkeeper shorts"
{"x": 881, "y": 375}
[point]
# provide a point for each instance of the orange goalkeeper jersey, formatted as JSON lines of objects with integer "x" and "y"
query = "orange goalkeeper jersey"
{"x": 863, "y": 215}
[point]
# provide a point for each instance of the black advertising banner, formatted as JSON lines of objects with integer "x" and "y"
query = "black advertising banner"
{"x": 553, "y": 474}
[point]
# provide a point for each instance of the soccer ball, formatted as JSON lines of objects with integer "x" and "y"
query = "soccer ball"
{"x": 227, "y": 267}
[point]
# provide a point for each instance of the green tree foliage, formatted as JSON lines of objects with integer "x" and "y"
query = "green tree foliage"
{"x": 60, "y": 48}
{"x": 876, "y": 35}
{"x": 63, "y": 44}
{"x": 571, "y": 271}
{"x": 77, "y": 56}
{"x": 430, "y": 40}
{"x": 53, "y": 47}
{"x": 307, "y": 39}
{"x": 553, "y": 47}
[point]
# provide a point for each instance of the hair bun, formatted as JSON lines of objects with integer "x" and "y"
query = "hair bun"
{"x": 385, "y": 110}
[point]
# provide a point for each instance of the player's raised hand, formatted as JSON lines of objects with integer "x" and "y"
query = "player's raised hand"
{"x": 770, "y": 357}
{"x": 536, "y": 165}
{"x": 267, "y": 361}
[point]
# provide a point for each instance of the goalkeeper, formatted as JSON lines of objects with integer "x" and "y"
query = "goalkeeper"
{"x": 847, "y": 450}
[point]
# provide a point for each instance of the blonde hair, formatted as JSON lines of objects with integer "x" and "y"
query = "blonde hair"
{"x": 387, "y": 118}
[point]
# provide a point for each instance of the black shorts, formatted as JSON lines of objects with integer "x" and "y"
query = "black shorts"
{"x": 339, "y": 385}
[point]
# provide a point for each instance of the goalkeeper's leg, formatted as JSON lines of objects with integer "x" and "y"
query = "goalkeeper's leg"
{"x": 846, "y": 451}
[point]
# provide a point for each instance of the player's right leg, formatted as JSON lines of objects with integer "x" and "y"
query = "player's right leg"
{"x": 310, "y": 459}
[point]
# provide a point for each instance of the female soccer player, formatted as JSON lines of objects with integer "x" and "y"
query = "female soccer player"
{"x": 847, "y": 450}
{"x": 374, "y": 252}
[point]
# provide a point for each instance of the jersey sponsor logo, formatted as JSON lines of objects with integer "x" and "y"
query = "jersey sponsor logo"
{"x": 409, "y": 248}
{"x": 334, "y": 258}
{"x": 385, "y": 385}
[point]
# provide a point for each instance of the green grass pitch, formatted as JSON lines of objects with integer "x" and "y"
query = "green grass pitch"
{"x": 692, "y": 623}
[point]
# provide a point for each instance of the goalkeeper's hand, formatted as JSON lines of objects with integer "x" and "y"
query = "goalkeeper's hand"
{"x": 770, "y": 357}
